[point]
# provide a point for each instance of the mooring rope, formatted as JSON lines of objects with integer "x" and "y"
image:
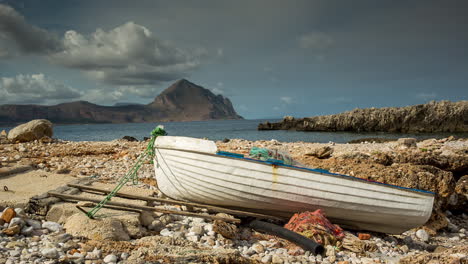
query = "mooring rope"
{"x": 132, "y": 174}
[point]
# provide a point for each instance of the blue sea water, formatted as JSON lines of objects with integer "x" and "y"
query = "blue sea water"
{"x": 215, "y": 130}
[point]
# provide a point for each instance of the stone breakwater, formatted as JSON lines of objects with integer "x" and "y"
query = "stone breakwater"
{"x": 61, "y": 234}
{"x": 443, "y": 116}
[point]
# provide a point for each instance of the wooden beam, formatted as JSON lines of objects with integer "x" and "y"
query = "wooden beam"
{"x": 170, "y": 201}
{"x": 144, "y": 208}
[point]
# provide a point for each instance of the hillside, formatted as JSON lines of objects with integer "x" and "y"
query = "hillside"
{"x": 182, "y": 101}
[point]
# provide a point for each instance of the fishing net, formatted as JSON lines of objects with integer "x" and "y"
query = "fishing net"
{"x": 270, "y": 154}
{"x": 316, "y": 226}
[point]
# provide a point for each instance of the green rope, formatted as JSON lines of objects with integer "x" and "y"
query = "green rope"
{"x": 132, "y": 174}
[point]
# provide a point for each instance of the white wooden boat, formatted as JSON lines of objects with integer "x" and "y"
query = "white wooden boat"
{"x": 191, "y": 169}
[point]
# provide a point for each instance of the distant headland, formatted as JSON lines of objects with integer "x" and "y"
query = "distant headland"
{"x": 182, "y": 101}
{"x": 443, "y": 116}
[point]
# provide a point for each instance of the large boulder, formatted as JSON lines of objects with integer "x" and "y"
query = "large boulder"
{"x": 35, "y": 129}
{"x": 99, "y": 229}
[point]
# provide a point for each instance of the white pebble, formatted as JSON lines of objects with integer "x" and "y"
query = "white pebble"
{"x": 52, "y": 226}
{"x": 422, "y": 235}
{"x": 110, "y": 259}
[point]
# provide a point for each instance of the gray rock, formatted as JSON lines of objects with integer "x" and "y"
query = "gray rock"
{"x": 17, "y": 221}
{"x": 321, "y": 153}
{"x": 110, "y": 259}
{"x": 197, "y": 230}
{"x": 166, "y": 232}
{"x": 50, "y": 253}
{"x": 20, "y": 212}
{"x": 277, "y": 259}
{"x": 15, "y": 253}
{"x": 422, "y": 235}
{"x": 124, "y": 256}
{"x": 266, "y": 259}
{"x": 259, "y": 248}
{"x": 156, "y": 225}
{"x": 27, "y": 230}
{"x": 166, "y": 219}
{"x": 34, "y": 223}
{"x": 407, "y": 142}
{"x": 62, "y": 238}
{"x": 146, "y": 218}
{"x": 52, "y": 226}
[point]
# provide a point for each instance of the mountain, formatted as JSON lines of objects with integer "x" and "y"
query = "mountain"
{"x": 443, "y": 116}
{"x": 182, "y": 101}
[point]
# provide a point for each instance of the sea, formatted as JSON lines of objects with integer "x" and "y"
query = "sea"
{"x": 218, "y": 130}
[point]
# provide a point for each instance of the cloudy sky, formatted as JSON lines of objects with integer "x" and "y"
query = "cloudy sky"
{"x": 271, "y": 58}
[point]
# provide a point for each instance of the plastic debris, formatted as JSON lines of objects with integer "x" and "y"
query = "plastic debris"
{"x": 364, "y": 236}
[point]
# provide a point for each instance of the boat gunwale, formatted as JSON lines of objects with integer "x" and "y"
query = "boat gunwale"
{"x": 236, "y": 156}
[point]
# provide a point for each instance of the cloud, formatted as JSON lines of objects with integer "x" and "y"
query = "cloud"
{"x": 126, "y": 55}
{"x": 426, "y": 96}
{"x": 35, "y": 88}
{"x": 17, "y": 36}
{"x": 286, "y": 99}
{"x": 315, "y": 40}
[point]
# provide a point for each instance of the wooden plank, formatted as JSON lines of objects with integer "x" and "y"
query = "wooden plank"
{"x": 170, "y": 201}
{"x": 145, "y": 208}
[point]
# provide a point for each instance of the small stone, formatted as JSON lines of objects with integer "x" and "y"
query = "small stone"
{"x": 62, "y": 238}
{"x": 166, "y": 232}
{"x": 17, "y": 221}
{"x": 11, "y": 231}
{"x": 8, "y": 214}
{"x": 34, "y": 223}
{"x": 15, "y": 253}
{"x": 146, "y": 218}
{"x": 208, "y": 227}
{"x": 267, "y": 259}
{"x": 406, "y": 142}
{"x": 422, "y": 235}
{"x": 27, "y": 230}
{"x": 197, "y": 230}
{"x": 20, "y": 212}
{"x": 124, "y": 256}
{"x": 166, "y": 219}
{"x": 277, "y": 259}
{"x": 70, "y": 245}
{"x": 330, "y": 251}
{"x": 110, "y": 259}
{"x": 259, "y": 248}
{"x": 156, "y": 225}
{"x": 52, "y": 226}
{"x": 440, "y": 249}
{"x": 50, "y": 253}
{"x": 404, "y": 248}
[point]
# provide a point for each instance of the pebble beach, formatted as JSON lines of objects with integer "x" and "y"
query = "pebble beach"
{"x": 64, "y": 235}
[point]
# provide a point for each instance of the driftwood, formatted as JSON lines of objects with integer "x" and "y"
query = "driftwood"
{"x": 169, "y": 201}
{"x": 143, "y": 208}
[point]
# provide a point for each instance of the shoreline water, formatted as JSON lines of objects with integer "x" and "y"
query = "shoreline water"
{"x": 218, "y": 130}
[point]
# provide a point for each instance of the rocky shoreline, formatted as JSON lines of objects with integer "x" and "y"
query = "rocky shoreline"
{"x": 443, "y": 116}
{"x": 66, "y": 235}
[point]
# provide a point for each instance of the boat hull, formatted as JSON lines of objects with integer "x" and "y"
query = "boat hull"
{"x": 284, "y": 190}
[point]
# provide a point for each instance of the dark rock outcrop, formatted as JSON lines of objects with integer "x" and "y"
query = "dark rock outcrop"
{"x": 443, "y": 116}
{"x": 182, "y": 101}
